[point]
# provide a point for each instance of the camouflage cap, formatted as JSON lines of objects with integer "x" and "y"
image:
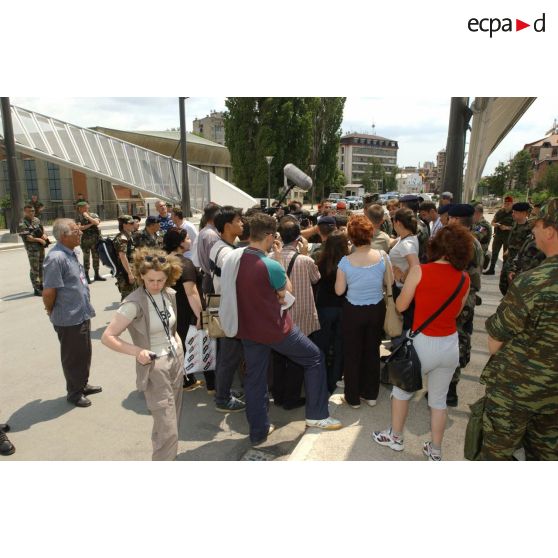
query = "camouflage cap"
{"x": 549, "y": 212}
{"x": 81, "y": 203}
{"x": 126, "y": 219}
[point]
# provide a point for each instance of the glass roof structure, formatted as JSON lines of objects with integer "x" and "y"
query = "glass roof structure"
{"x": 106, "y": 157}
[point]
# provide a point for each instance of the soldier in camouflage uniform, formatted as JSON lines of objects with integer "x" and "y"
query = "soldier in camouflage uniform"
{"x": 150, "y": 237}
{"x": 521, "y": 377}
{"x": 35, "y": 240}
{"x": 528, "y": 258}
{"x": 89, "y": 226}
{"x": 482, "y": 230}
{"x": 124, "y": 247}
{"x": 502, "y": 224}
{"x": 518, "y": 235}
{"x": 412, "y": 201}
{"x": 463, "y": 213}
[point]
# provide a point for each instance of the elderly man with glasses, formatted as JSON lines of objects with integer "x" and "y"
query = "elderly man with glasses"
{"x": 67, "y": 303}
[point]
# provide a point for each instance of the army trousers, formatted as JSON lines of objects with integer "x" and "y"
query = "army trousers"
{"x": 124, "y": 286}
{"x": 163, "y": 396}
{"x": 500, "y": 240}
{"x": 464, "y": 332}
{"x": 507, "y": 426}
{"x": 36, "y": 258}
{"x": 89, "y": 249}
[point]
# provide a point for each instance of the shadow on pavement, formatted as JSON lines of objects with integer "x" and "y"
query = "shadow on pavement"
{"x": 38, "y": 411}
{"x": 136, "y": 402}
{"x": 113, "y": 306}
{"x": 98, "y": 333}
{"x": 17, "y": 296}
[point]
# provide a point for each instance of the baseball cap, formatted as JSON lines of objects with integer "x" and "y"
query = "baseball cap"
{"x": 81, "y": 203}
{"x": 447, "y": 195}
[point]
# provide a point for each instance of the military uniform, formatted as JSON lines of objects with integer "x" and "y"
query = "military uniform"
{"x": 142, "y": 239}
{"x": 483, "y": 233}
{"x": 527, "y": 258}
{"x": 89, "y": 239}
{"x": 501, "y": 237}
{"x": 35, "y": 250}
{"x": 423, "y": 235}
{"x": 464, "y": 321}
{"x": 123, "y": 243}
{"x": 522, "y": 377}
{"x": 387, "y": 227}
{"x": 518, "y": 236}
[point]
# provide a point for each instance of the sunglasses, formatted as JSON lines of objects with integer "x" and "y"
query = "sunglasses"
{"x": 160, "y": 259}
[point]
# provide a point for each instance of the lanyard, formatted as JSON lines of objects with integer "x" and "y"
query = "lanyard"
{"x": 164, "y": 315}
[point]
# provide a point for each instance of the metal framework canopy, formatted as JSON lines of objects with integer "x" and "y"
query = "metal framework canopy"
{"x": 493, "y": 118}
{"x": 100, "y": 155}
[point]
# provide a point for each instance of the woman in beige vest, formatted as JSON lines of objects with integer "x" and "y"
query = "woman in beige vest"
{"x": 149, "y": 314}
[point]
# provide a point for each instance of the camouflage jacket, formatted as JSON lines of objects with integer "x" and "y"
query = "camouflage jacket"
{"x": 92, "y": 232}
{"x": 123, "y": 243}
{"x": 518, "y": 236}
{"x": 525, "y": 369}
{"x": 30, "y": 227}
{"x": 387, "y": 227}
{"x": 142, "y": 239}
{"x": 528, "y": 257}
{"x": 504, "y": 218}
{"x": 483, "y": 233}
{"x": 423, "y": 235}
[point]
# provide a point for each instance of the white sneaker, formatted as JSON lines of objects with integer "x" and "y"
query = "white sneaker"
{"x": 328, "y": 423}
{"x": 386, "y": 438}
{"x": 428, "y": 452}
{"x": 340, "y": 384}
{"x": 369, "y": 402}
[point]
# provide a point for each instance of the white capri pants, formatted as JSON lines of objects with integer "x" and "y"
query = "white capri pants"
{"x": 439, "y": 357}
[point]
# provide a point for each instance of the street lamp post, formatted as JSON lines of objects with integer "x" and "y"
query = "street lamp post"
{"x": 313, "y": 168}
{"x": 269, "y": 158}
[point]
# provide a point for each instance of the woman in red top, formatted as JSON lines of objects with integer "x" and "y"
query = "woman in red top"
{"x": 430, "y": 285}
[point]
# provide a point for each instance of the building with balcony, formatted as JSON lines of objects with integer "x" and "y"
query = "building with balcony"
{"x": 357, "y": 152}
{"x": 544, "y": 153}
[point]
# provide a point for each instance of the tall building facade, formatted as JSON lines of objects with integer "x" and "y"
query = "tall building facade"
{"x": 357, "y": 153}
{"x": 440, "y": 169}
{"x": 211, "y": 127}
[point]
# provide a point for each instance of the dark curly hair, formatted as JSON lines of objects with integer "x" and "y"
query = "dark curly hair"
{"x": 335, "y": 247}
{"x": 360, "y": 230}
{"x": 407, "y": 218}
{"x": 453, "y": 243}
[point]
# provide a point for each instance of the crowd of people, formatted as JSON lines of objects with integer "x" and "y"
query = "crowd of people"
{"x": 302, "y": 303}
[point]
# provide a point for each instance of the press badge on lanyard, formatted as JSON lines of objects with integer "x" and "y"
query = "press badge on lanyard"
{"x": 164, "y": 316}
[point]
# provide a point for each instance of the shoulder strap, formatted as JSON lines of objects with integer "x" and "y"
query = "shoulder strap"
{"x": 291, "y": 264}
{"x": 216, "y": 270}
{"x": 441, "y": 309}
{"x": 388, "y": 275}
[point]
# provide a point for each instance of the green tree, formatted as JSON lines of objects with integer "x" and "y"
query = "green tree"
{"x": 520, "y": 170}
{"x": 298, "y": 130}
{"x": 497, "y": 182}
{"x": 549, "y": 180}
{"x": 390, "y": 182}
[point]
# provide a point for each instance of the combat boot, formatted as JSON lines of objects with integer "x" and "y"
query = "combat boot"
{"x": 451, "y": 398}
{"x": 98, "y": 277}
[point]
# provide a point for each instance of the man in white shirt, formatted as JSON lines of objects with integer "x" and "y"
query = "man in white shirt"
{"x": 429, "y": 214}
{"x": 181, "y": 223}
{"x": 228, "y": 222}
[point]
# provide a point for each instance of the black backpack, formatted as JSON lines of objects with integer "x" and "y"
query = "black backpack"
{"x": 108, "y": 255}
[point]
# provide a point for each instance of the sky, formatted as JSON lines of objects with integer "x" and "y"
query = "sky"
{"x": 418, "y": 124}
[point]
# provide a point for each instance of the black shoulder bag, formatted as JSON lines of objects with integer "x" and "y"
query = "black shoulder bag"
{"x": 402, "y": 367}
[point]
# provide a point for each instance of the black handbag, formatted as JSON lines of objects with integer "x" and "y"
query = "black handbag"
{"x": 402, "y": 367}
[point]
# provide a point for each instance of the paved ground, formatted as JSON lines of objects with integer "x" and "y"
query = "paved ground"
{"x": 117, "y": 426}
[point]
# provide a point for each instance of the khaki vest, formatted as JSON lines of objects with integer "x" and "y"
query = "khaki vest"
{"x": 139, "y": 329}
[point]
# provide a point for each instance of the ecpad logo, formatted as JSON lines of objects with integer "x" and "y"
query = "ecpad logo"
{"x": 493, "y": 25}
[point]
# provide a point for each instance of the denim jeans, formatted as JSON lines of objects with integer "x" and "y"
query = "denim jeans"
{"x": 296, "y": 346}
{"x": 330, "y": 336}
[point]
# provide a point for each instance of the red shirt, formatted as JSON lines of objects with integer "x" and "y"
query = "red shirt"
{"x": 437, "y": 284}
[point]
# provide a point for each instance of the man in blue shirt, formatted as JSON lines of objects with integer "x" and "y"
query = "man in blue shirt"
{"x": 165, "y": 219}
{"x": 67, "y": 302}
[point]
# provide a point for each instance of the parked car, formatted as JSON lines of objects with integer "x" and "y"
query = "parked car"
{"x": 354, "y": 202}
{"x": 334, "y": 196}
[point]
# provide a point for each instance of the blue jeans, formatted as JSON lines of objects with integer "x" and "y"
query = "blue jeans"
{"x": 296, "y": 346}
{"x": 331, "y": 336}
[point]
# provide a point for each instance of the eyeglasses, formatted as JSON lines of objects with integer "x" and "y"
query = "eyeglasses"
{"x": 160, "y": 259}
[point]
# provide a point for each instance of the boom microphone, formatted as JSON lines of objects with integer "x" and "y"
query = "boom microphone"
{"x": 294, "y": 174}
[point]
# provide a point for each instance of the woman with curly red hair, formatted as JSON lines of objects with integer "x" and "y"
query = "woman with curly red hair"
{"x": 437, "y": 346}
{"x": 360, "y": 277}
